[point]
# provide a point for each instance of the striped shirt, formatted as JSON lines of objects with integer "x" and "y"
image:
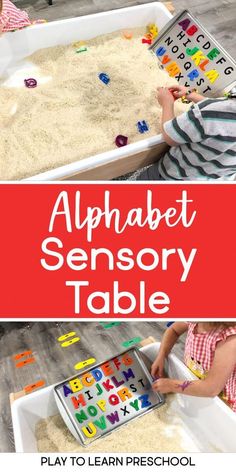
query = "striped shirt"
{"x": 12, "y": 18}
{"x": 199, "y": 356}
{"x": 206, "y": 135}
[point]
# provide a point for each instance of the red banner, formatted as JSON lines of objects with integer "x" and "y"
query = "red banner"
{"x": 117, "y": 250}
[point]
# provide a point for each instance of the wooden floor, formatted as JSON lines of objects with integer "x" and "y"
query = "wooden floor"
{"x": 218, "y": 16}
{"x": 54, "y": 363}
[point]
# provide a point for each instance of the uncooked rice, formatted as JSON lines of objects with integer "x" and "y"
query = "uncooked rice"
{"x": 156, "y": 431}
{"x": 72, "y": 114}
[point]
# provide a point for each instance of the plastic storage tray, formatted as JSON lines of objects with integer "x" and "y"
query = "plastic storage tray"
{"x": 15, "y": 47}
{"x": 210, "y": 422}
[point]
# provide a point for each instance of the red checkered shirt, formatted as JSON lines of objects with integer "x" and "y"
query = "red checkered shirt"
{"x": 199, "y": 355}
{"x": 12, "y": 18}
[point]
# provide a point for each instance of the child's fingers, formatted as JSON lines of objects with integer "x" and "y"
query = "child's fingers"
{"x": 153, "y": 372}
{"x": 155, "y": 387}
{"x": 177, "y": 94}
{"x": 175, "y": 88}
{"x": 177, "y": 91}
{"x": 157, "y": 372}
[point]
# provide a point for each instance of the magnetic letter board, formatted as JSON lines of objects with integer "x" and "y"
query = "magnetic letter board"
{"x": 107, "y": 396}
{"x": 191, "y": 55}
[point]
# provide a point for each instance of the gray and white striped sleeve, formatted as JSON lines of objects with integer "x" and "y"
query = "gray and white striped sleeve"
{"x": 186, "y": 128}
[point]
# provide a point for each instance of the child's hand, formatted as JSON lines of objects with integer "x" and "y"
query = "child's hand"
{"x": 157, "y": 369}
{"x": 178, "y": 91}
{"x": 164, "y": 96}
{"x": 163, "y": 386}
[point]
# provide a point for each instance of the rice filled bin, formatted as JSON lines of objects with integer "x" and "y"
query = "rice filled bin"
{"x": 16, "y": 47}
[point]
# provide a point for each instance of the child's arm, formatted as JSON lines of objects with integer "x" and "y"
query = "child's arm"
{"x": 186, "y": 128}
{"x": 166, "y": 100}
{"x": 168, "y": 341}
{"x": 222, "y": 367}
